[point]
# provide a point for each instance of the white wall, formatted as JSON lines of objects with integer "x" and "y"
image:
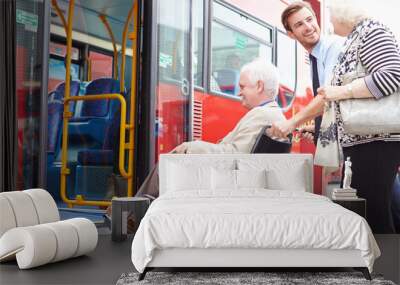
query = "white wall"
{"x": 388, "y": 11}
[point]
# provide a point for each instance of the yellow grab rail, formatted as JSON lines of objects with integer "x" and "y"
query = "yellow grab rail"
{"x": 89, "y": 68}
{"x": 109, "y": 30}
{"x": 79, "y": 200}
{"x": 132, "y": 37}
{"x": 65, "y": 171}
{"x": 60, "y": 14}
{"x": 67, "y": 113}
{"x": 123, "y": 125}
{"x": 123, "y": 49}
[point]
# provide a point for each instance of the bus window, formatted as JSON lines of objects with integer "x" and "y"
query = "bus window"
{"x": 234, "y": 46}
{"x": 101, "y": 65}
{"x": 57, "y": 72}
{"x": 57, "y": 66}
{"x": 242, "y": 22}
{"x": 173, "y": 42}
{"x": 198, "y": 32}
{"x": 286, "y": 62}
{"x": 60, "y": 50}
{"x": 173, "y": 90}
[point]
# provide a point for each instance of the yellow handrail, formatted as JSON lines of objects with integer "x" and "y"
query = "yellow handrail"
{"x": 132, "y": 37}
{"x": 60, "y": 14}
{"x": 123, "y": 125}
{"x": 67, "y": 114}
{"x": 109, "y": 30}
{"x": 123, "y": 49}
{"x": 89, "y": 68}
{"x": 79, "y": 200}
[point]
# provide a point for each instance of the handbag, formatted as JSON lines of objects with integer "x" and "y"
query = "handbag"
{"x": 369, "y": 116}
{"x": 327, "y": 152}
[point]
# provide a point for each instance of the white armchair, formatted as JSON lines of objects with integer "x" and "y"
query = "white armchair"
{"x": 31, "y": 230}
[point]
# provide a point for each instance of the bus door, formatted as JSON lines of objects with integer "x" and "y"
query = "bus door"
{"x": 31, "y": 27}
{"x": 93, "y": 127}
{"x": 173, "y": 91}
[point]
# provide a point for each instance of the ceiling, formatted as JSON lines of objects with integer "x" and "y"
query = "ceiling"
{"x": 86, "y": 18}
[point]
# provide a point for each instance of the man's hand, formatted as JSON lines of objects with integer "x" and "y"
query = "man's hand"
{"x": 307, "y": 132}
{"x": 281, "y": 129}
{"x": 182, "y": 148}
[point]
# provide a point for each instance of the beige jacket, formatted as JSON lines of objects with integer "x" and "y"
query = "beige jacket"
{"x": 242, "y": 138}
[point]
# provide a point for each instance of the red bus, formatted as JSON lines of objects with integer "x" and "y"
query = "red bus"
{"x": 198, "y": 53}
{"x": 189, "y": 54}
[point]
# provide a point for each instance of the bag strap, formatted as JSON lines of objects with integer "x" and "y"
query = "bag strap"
{"x": 360, "y": 70}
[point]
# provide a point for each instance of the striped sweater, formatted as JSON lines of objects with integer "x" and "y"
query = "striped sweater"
{"x": 380, "y": 55}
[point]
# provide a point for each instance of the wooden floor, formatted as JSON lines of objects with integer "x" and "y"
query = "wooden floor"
{"x": 102, "y": 266}
{"x": 111, "y": 259}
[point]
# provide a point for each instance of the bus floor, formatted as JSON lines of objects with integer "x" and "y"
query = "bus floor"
{"x": 94, "y": 214}
{"x": 102, "y": 266}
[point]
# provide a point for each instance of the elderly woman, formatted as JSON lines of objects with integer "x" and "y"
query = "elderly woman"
{"x": 375, "y": 157}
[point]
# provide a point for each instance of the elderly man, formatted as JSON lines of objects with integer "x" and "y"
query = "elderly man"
{"x": 259, "y": 83}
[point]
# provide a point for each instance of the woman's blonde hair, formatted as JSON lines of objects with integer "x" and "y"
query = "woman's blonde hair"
{"x": 348, "y": 12}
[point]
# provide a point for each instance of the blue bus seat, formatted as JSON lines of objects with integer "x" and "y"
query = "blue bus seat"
{"x": 54, "y": 118}
{"x": 55, "y": 107}
{"x": 95, "y": 157}
{"x": 89, "y": 127}
{"x": 96, "y": 164}
{"x": 108, "y": 154}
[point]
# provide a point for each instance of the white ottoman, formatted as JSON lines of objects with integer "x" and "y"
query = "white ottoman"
{"x": 31, "y": 233}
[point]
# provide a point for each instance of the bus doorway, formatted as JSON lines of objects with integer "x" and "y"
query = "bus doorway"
{"x": 91, "y": 100}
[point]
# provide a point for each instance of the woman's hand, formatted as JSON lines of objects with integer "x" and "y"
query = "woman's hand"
{"x": 307, "y": 132}
{"x": 281, "y": 129}
{"x": 334, "y": 93}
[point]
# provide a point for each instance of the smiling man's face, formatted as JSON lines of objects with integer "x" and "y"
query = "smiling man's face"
{"x": 304, "y": 28}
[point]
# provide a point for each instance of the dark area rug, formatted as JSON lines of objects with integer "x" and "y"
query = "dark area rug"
{"x": 273, "y": 278}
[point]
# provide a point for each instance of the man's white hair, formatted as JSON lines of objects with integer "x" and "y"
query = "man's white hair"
{"x": 348, "y": 12}
{"x": 262, "y": 70}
